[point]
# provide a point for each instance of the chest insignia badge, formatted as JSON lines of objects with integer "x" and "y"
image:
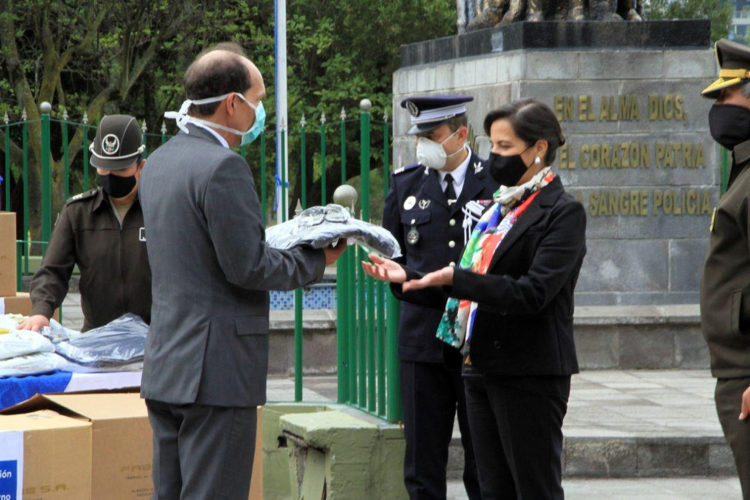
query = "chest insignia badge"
{"x": 409, "y": 202}
{"x": 424, "y": 204}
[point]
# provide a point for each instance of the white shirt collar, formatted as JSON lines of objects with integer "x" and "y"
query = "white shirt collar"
{"x": 458, "y": 174}
{"x": 221, "y": 140}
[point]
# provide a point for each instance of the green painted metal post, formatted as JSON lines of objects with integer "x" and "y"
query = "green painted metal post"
{"x": 380, "y": 295}
{"x": 368, "y": 334}
{"x": 361, "y": 331}
{"x": 352, "y": 287}
{"x": 46, "y": 108}
{"x": 342, "y": 327}
{"x": 323, "y": 159}
{"x": 85, "y": 152}
{"x": 263, "y": 177}
{"x": 382, "y": 292}
{"x": 298, "y": 367}
{"x": 66, "y": 162}
{"x": 344, "y": 303}
{"x": 25, "y": 147}
{"x": 393, "y": 414}
{"x": 7, "y": 163}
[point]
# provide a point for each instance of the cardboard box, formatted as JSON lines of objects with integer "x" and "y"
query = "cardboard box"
{"x": 53, "y": 452}
{"x": 121, "y": 443}
{"x": 20, "y": 303}
{"x": 8, "y": 253}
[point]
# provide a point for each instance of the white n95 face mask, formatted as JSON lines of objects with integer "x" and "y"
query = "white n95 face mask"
{"x": 431, "y": 154}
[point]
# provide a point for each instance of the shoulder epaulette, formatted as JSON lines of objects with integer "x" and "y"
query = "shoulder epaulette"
{"x": 83, "y": 196}
{"x": 407, "y": 168}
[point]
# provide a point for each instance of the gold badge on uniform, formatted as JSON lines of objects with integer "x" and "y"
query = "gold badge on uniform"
{"x": 409, "y": 202}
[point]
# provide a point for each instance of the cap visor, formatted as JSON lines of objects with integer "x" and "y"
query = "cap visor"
{"x": 712, "y": 91}
{"x": 112, "y": 164}
{"x": 423, "y": 128}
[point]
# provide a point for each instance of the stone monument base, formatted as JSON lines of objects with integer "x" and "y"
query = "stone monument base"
{"x": 638, "y": 155}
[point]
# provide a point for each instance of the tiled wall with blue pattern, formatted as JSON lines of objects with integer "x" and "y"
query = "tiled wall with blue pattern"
{"x": 319, "y": 296}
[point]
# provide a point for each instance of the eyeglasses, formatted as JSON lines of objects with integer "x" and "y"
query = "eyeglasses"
{"x": 316, "y": 215}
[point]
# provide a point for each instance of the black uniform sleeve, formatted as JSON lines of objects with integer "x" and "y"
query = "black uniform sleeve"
{"x": 50, "y": 283}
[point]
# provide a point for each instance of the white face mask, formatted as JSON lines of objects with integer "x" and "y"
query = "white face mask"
{"x": 431, "y": 154}
{"x": 248, "y": 135}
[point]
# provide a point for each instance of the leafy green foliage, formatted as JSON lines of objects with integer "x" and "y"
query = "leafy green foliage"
{"x": 719, "y": 12}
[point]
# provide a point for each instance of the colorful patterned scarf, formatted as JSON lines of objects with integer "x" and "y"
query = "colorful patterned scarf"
{"x": 458, "y": 319}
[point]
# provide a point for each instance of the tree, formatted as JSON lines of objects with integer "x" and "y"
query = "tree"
{"x": 719, "y": 12}
{"x": 129, "y": 57}
{"x": 87, "y": 55}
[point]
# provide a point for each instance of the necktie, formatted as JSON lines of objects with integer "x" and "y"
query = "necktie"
{"x": 450, "y": 193}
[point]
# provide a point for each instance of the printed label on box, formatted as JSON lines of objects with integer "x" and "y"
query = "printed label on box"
{"x": 11, "y": 465}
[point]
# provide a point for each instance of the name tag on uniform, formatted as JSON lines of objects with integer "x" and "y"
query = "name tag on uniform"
{"x": 142, "y": 234}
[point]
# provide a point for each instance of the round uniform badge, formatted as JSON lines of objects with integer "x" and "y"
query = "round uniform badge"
{"x": 110, "y": 144}
{"x": 412, "y": 236}
{"x": 409, "y": 202}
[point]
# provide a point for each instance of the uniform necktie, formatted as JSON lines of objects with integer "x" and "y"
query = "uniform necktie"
{"x": 450, "y": 193}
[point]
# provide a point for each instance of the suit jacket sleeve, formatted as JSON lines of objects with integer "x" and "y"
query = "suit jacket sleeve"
{"x": 428, "y": 297}
{"x": 50, "y": 283}
{"x": 557, "y": 257}
{"x": 233, "y": 218}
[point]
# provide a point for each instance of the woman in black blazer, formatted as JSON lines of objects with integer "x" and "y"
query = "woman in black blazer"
{"x": 511, "y": 307}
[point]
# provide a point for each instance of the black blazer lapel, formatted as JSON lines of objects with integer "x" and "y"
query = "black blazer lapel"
{"x": 540, "y": 206}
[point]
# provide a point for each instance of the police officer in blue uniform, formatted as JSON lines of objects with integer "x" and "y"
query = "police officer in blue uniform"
{"x": 431, "y": 208}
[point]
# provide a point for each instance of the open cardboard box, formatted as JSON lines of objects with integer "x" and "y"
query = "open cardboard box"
{"x": 47, "y": 453}
{"x": 121, "y": 441}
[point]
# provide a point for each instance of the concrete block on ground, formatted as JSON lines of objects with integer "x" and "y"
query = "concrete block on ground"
{"x": 600, "y": 457}
{"x": 672, "y": 457}
{"x": 357, "y": 455}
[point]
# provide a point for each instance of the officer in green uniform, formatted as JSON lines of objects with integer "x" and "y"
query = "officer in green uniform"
{"x": 725, "y": 286}
{"x": 102, "y": 232}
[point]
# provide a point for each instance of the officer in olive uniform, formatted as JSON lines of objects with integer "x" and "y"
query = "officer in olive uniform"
{"x": 102, "y": 232}
{"x": 431, "y": 208}
{"x": 725, "y": 286}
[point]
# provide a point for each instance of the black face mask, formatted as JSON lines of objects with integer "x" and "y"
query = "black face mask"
{"x": 507, "y": 170}
{"x": 729, "y": 124}
{"x": 116, "y": 186}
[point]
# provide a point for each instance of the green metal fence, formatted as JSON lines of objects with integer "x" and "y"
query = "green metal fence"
{"x": 367, "y": 313}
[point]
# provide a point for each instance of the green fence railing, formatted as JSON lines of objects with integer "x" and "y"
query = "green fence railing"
{"x": 55, "y": 151}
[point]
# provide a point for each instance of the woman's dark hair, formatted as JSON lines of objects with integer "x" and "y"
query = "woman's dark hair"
{"x": 215, "y": 77}
{"x": 531, "y": 120}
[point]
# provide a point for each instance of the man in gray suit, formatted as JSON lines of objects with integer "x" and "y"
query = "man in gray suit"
{"x": 207, "y": 350}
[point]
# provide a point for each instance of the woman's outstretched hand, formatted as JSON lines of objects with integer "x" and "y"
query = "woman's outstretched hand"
{"x": 441, "y": 277}
{"x": 384, "y": 269}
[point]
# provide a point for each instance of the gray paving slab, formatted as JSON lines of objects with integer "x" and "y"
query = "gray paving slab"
{"x": 641, "y": 489}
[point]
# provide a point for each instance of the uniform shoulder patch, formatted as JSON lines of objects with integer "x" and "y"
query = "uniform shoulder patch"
{"x": 83, "y": 196}
{"x": 407, "y": 168}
